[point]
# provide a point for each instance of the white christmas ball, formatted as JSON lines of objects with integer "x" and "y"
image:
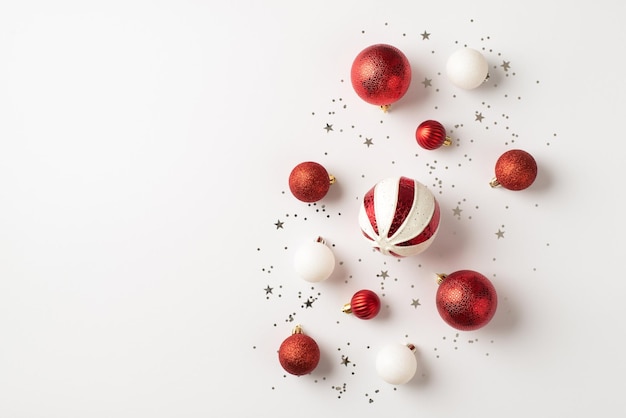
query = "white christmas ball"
{"x": 314, "y": 261}
{"x": 396, "y": 363}
{"x": 467, "y": 68}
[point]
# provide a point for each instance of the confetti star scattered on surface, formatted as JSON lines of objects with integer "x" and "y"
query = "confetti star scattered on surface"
{"x": 279, "y": 224}
{"x": 479, "y": 116}
{"x": 368, "y": 142}
{"x": 506, "y": 65}
{"x": 425, "y": 35}
{"x": 328, "y": 127}
{"x": 415, "y": 303}
{"x": 500, "y": 233}
{"x": 384, "y": 274}
{"x": 345, "y": 361}
{"x": 427, "y": 82}
{"x": 268, "y": 290}
{"x": 457, "y": 211}
{"x": 308, "y": 303}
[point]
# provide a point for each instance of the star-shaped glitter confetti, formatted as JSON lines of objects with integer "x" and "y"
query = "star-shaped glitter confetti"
{"x": 506, "y": 65}
{"x": 500, "y": 233}
{"x": 279, "y": 224}
{"x": 425, "y": 35}
{"x": 345, "y": 361}
{"x": 328, "y": 127}
{"x": 479, "y": 117}
{"x": 268, "y": 290}
{"x": 368, "y": 142}
{"x": 384, "y": 274}
{"x": 427, "y": 82}
{"x": 308, "y": 303}
{"x": 415, "y": 303}
{"x": 457, "y": 211}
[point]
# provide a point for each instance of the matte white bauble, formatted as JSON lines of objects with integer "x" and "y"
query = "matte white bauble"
{"x": 396, "y": 363}
{"x": 314, "y": 261}
{"x": 467, "y": 68}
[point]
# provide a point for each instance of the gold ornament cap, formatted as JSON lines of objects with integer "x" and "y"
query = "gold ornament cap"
{"x": 441, "y": 277}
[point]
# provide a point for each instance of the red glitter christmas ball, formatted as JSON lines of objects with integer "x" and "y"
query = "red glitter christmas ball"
{"x": 299, "y": 354}
{"x": 381, "y": 75}
{"x": 431, "y": 134}
{"x": 466, "y": 300}
{"x": 515, "y": 170}
{"x": 364, "y": 304}
{"x": 309, "y": 181}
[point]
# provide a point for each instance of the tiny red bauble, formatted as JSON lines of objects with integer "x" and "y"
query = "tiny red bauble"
{"x": 299, "y": 354}
{"x": 515, "y": 170}
{"x": 466, "y": 300}
{"x": 381, "y": 75}
{"x": 309, "y": 181}
{"x": 364, "y": 304}
{"x": 431, "y": 134}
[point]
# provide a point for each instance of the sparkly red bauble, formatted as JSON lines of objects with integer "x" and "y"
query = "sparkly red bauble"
{"x": 381, "y": 75}
{"x": 431, "y": 134}
{"x": 299, "y": 354}
{"x": 364, "y": 304}
{"x": 466, "y": 300}
{"x": 309, "y": 181}
{"x": 515, "y": 170}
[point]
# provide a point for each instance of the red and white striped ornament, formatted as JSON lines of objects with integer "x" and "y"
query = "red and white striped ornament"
{"x": 399, "y": 216}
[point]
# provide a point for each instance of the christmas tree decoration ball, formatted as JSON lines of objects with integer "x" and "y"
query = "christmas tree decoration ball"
{"x": 466, "y": 300}
{"x": 431, "y": 135}
{"x": 381, "y": 75}
{"x": 314, "y": 261}
{"x": 299, "y": 354}
{"x": 467, "y": 68}
{"x": 364, "y": 304}
{"x": 399, "y": 216}
{"x": 309, "y": 181}
{"x": 396, "y": 364}
{"x": 515, "y": 170}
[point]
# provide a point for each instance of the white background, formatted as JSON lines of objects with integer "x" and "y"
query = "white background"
{"x": 144, "y": 153}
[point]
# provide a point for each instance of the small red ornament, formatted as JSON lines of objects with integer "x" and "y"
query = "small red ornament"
{"x": 364, "y": 304}
{"x": 309, "y": 181}
{"x": 515, "y": 170}
{"x": 466, "y": 300}
{"x": 381, "y": 75}
{"x": 299, "y": 354}
{"x": 431, "y": 134}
